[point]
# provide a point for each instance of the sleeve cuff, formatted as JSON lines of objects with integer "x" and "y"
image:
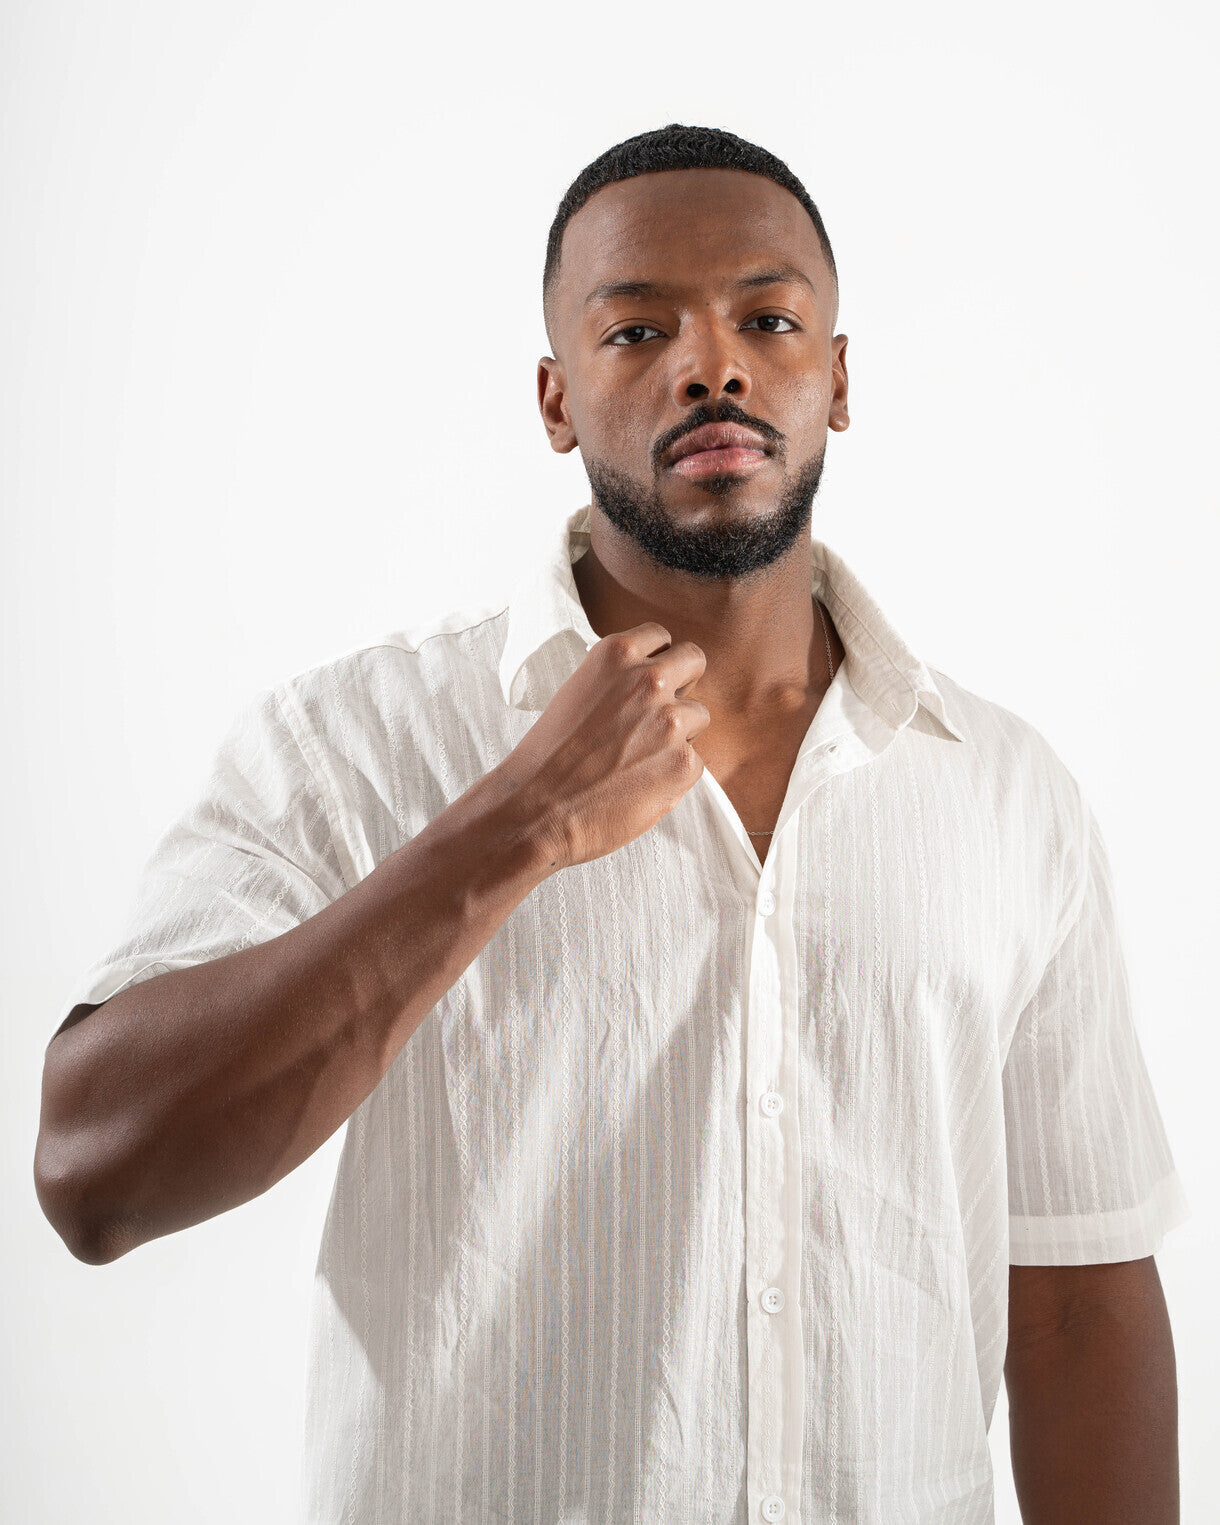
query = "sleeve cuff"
{"x": 1131, "y": 1233}
{"x": 99, "y": 984}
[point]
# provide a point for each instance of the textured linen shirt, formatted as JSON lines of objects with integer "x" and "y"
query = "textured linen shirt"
{"x": 694, "y": 1198}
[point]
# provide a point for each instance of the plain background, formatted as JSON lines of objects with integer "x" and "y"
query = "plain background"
{"x": 269, "y": 322}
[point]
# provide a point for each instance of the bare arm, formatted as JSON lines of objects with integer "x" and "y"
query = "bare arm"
{"x": 195, "y": 1090}
{"x": 1092, "y": 1395}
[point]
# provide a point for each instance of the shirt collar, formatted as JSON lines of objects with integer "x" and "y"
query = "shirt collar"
{"x": 881, "y": 668}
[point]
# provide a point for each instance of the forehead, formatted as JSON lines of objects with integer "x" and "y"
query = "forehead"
{"x": 694, "y": 226}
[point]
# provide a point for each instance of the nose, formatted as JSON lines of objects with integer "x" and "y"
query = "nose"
{"x": 707, "y": 364}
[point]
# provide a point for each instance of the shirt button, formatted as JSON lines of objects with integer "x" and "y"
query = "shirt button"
{"x": 766, "y": 905}
{"x": 772, "y": 1103}
{"x": 773, "y": 1507}
{"x": 833, "y": 747}
{"x": 773, "y": 1299}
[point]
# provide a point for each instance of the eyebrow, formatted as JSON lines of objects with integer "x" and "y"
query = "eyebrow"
{"x": 773, "y": 275}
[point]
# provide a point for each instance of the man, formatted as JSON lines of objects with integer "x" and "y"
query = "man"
{"x": 727, "y": 1006}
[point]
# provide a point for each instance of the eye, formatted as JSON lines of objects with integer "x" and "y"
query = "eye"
{"x": 645, "y": 328}
{"x": 635, "y": 328}
{"x": 776, "y": 317}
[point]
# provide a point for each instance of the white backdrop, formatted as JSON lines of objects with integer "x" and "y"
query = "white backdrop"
{"x": 269, "y": 322}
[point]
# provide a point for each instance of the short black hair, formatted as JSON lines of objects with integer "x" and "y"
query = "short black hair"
{"x": 672, "y": 147}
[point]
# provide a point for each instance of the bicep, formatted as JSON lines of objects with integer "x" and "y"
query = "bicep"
{"x": 1053, "y": 1300}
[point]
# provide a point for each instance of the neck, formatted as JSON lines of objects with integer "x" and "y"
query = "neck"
{"x": 766, "y": 639}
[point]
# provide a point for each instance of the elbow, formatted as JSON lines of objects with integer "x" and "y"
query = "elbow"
{"x": 65, "y": 1172}
{"x": 98, "y": 1249}
{"x": 65, "y": 1204}
{"x": 92, "y": 1246}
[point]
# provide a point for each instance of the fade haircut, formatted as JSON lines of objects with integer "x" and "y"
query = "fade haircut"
{"x": 671, "y": 147}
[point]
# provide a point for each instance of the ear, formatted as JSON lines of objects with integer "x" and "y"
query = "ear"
{"x": 838, "y": 419}
{"x": 552, "y": 404}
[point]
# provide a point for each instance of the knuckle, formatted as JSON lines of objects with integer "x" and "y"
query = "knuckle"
{"x": 617, "y": 647}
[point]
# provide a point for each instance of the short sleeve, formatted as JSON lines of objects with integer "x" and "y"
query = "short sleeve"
{"x": 1091, "y": 1178}
{"x": 253, "y": 856}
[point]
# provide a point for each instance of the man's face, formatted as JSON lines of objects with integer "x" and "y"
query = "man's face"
{"x": 635, "y": 371}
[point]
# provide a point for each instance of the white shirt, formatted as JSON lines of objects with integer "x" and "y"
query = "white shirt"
{"x": 694, "y": 1199}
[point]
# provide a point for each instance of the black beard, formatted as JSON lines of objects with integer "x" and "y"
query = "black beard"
{"x": 708, "y": 550}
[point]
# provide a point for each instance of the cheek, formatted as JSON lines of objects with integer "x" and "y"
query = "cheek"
{"x": 810, "y": 406}
{"x": 615, "y": 422}
{"x": 812, "y": 391}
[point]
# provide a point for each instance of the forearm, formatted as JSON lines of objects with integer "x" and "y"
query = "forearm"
{"x": 1093, "y": 1421}
{"x": 196, "y": 1090}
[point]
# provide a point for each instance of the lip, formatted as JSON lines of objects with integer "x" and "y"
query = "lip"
{"x": 732, "y": 460}
{"x": 716, "y": 437}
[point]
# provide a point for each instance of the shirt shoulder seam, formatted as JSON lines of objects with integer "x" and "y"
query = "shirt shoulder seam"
{"x": 482, "y": 614}
{"x": 486, "y": 611}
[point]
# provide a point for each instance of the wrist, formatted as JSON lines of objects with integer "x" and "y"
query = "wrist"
{"x": 515, "y": 827}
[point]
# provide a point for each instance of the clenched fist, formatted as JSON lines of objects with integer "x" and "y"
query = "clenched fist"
{"x": 611, "y": 754}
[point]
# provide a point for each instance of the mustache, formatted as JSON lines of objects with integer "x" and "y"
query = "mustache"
{"x": 727, "y": 413}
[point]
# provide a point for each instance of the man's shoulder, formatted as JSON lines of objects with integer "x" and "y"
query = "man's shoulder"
{"x": 1002, "y": 741}
{"x": 444, "y": 648}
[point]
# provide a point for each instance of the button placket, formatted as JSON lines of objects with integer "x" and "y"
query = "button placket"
{"x": 773, "y": 1228}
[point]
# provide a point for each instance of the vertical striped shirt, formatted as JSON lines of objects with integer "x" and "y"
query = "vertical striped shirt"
{"x": 694, "y": 1198}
